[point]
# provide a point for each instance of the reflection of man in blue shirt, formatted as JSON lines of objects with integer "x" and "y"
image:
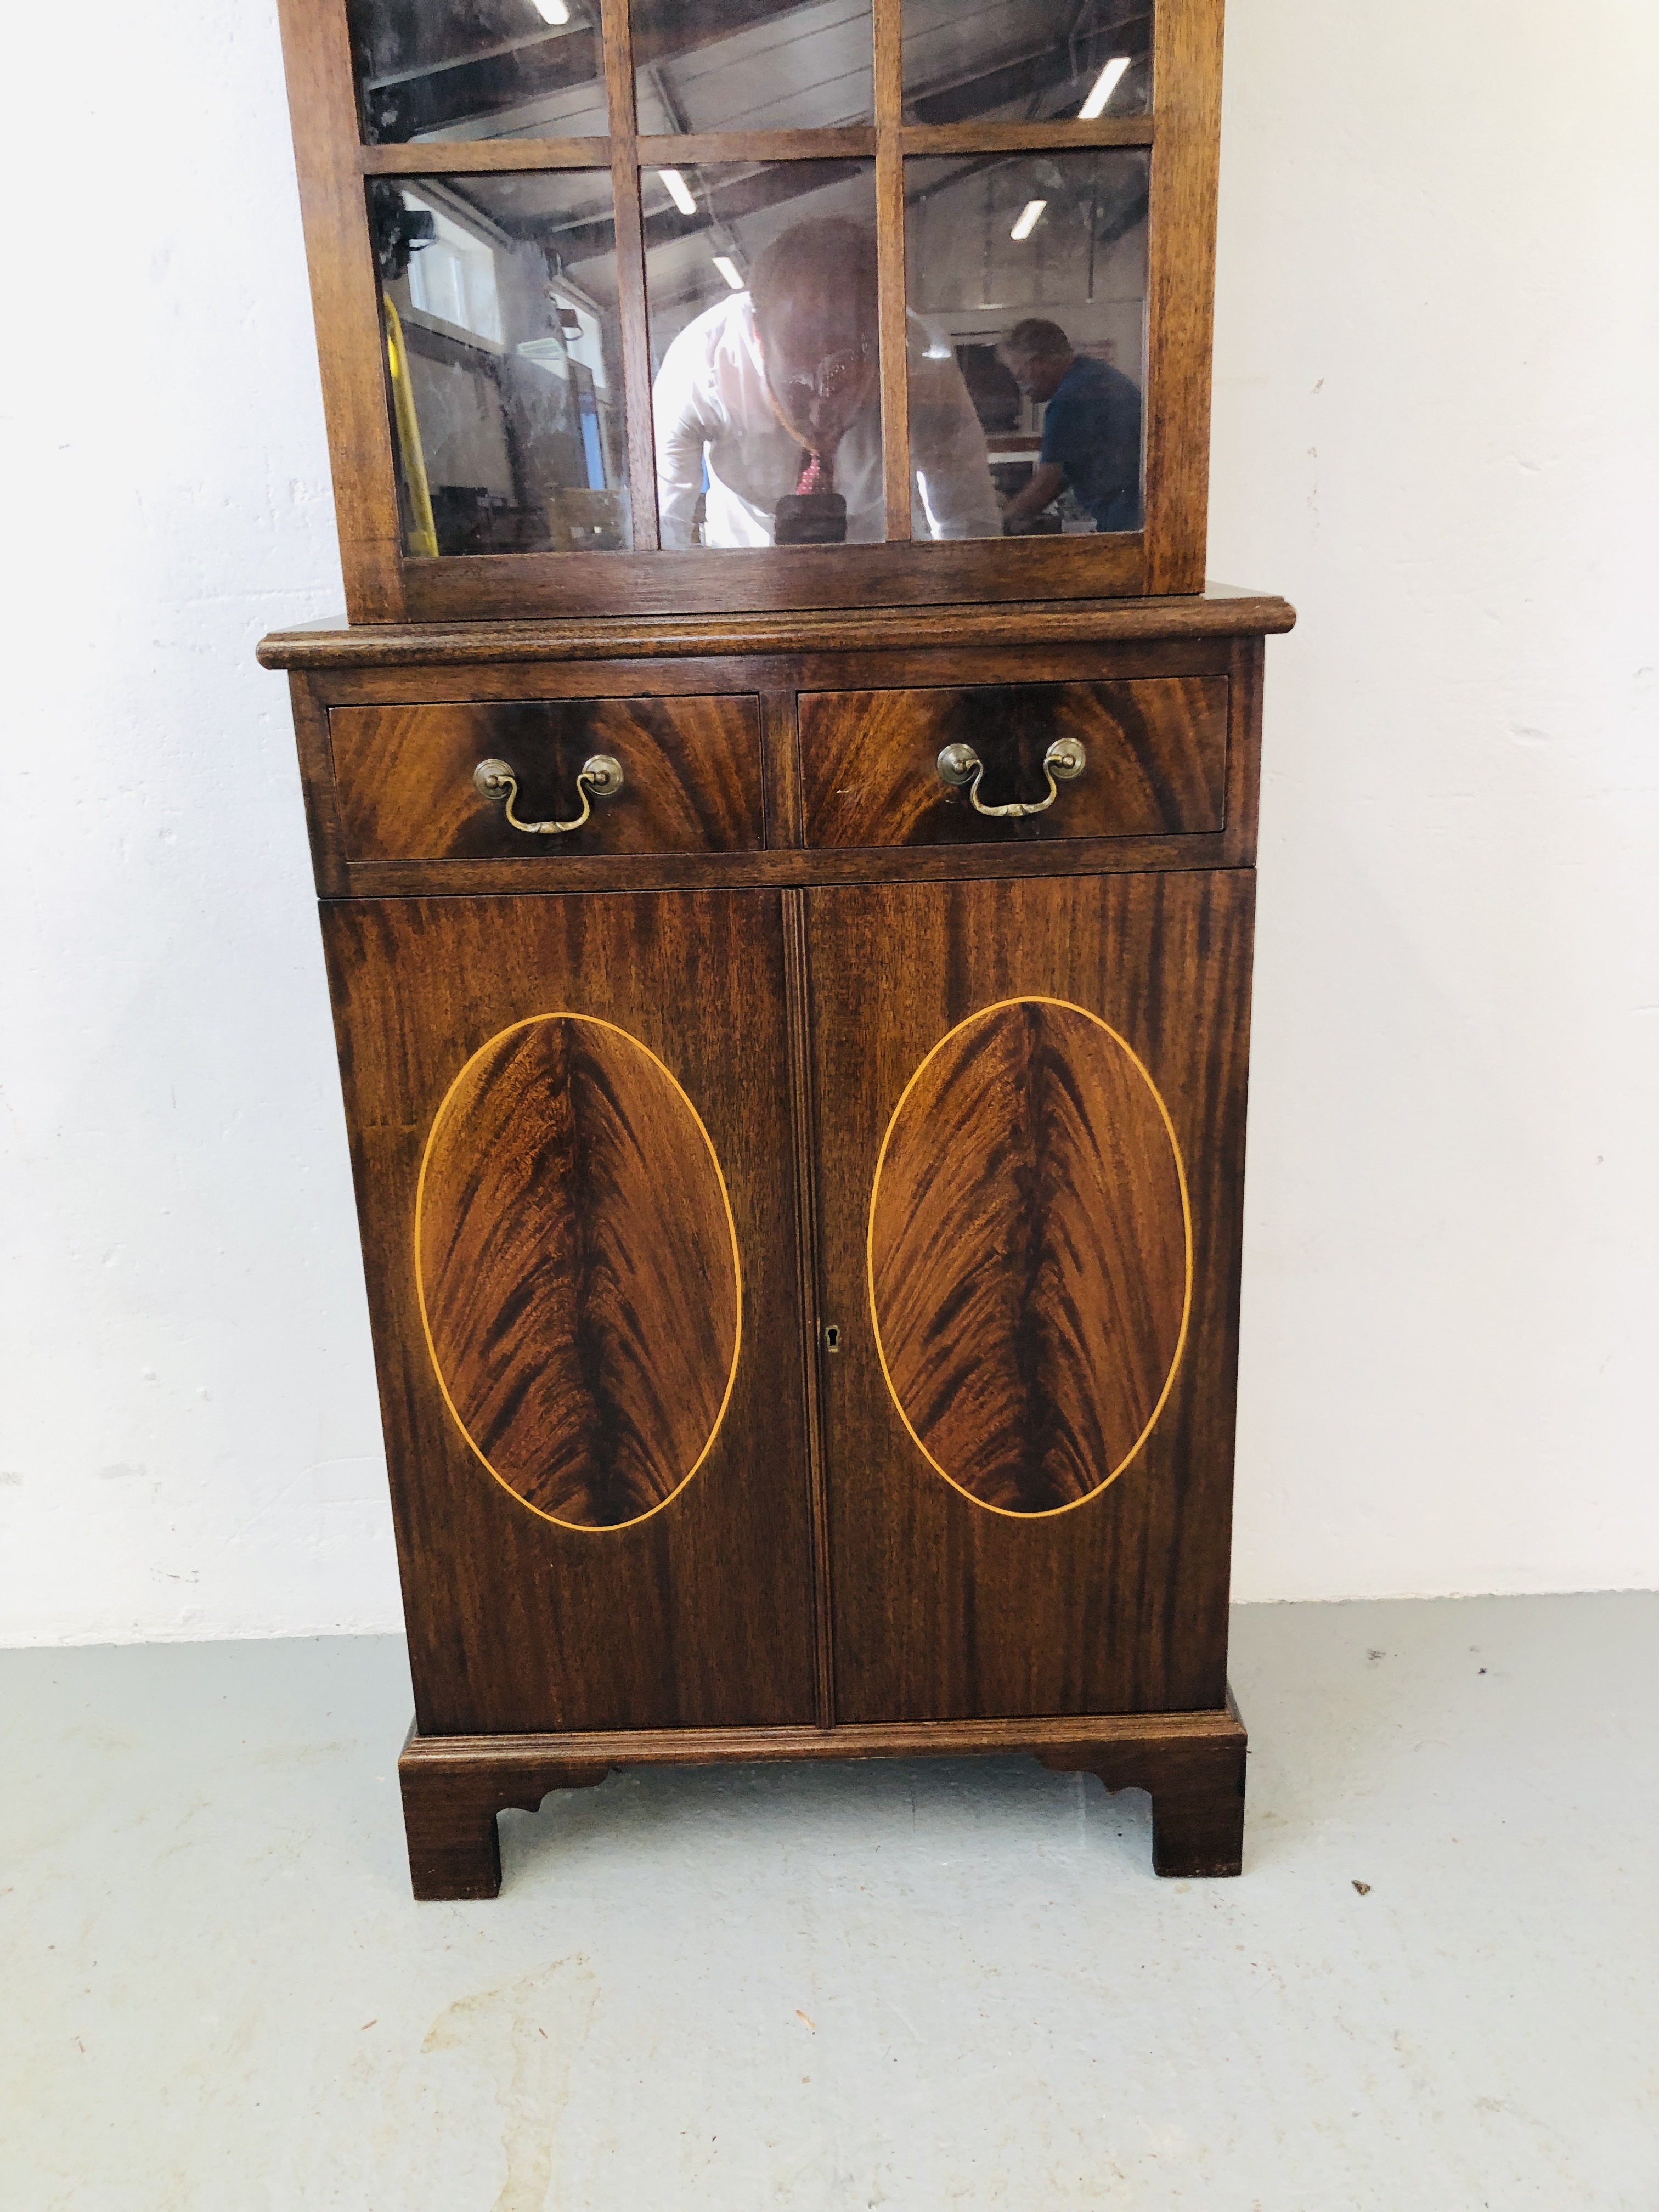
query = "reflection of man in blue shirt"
{"x": 1090, "y": 433}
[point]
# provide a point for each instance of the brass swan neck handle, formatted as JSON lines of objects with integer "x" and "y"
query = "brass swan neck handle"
{"x": 960, "y": 765}
{"x": 601, "y": 774}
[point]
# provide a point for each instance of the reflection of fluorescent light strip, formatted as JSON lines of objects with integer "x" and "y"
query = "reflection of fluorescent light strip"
{"x": 728, "y": 269}
{"x": 1030, "y": 215}
{"x": 1105, "y": 85}
{"x": 678, "y": 190}
{"x": 553, "y": 11}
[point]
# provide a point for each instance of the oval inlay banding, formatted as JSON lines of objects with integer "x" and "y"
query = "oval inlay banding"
{"x": 578, "y": 1271}
{"x": 1030, "y": 1256}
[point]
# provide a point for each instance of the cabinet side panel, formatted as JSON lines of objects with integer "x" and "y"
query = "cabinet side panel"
{"x": 1113, "y": 1597}
{"x": 700, "y": 1613}
{"x": 311, "y": 734}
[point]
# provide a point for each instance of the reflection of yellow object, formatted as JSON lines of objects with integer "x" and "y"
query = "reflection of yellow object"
{"x": 423, "y": 530}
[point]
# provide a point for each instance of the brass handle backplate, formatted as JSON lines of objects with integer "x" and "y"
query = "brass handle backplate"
{"x": 600, "y": 773}
{"x": 960, "y": 765}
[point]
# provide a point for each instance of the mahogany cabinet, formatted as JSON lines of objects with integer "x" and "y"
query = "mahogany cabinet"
{"x": 783, "y": 803}
{"x": 800, "y": 1210}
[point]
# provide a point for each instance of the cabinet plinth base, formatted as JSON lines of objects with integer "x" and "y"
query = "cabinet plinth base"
{"x": 1192, "y": 1765}
{"x": 450, "y": 1806}
{"x": 1196, "y": 1784}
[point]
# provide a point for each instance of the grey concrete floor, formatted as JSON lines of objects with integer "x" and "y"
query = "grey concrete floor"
{"x": 929, "y": 1985}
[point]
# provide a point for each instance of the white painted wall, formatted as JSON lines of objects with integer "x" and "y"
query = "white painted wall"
{"x": 187, "y": 1426}
{"x": 1438, "y": 383}
{"x": 1438, "y": 331}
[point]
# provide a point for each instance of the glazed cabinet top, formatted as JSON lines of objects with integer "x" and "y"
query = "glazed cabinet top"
{"x": 659, "y": 306}
{"x": 586, "y": 757}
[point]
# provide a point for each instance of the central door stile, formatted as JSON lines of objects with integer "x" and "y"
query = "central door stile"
{"x": 803, "y": 1101}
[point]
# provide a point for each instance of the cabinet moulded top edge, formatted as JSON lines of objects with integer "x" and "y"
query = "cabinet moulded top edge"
{"x": 1220, "y": 611}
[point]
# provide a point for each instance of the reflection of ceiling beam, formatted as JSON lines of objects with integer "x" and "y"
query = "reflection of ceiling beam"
{"x": 422, "y": 102}
{"x": 1026, "y": 76}
{"x": 670, "y": 106}
{"x": 440, "y": 67}
{"x": 1114, "y": 217}
{"x": 677, "y": 122}
{"x": 494, "y": 79}
{"x": 750, "y": 193}
{"x": 505, "y": 76}
{"x": 1130, "y": 163}
{"x": 662, "y": 31}
{"x": 670, "y": 292}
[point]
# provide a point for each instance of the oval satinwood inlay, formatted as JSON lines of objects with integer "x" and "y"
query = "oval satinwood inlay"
{"x": 578, "y": 1271}
{"x": 1030, "y": 1256}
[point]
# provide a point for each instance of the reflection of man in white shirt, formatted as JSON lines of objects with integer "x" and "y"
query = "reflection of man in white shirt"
{"x": 778, "y": 389}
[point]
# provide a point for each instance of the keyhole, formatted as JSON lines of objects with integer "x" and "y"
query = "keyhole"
{"x": 832, "y": 1337}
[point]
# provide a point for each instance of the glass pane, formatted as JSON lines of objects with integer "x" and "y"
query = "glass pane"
{"x": 1028, "y": 272}
{"x": 477, "y": 68}
{"x": 752, "y": 64}
{"x": 505, "y": 360}
{"x": 761, "y": 283}
{"x": 1026, "y": 60}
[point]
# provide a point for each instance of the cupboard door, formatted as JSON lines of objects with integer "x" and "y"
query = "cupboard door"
{"x": 572, "y": 1143}
{"x": 1032, "y": 1097}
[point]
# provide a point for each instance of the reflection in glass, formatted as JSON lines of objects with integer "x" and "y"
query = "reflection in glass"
{"x": 1026, "y": 60}
{"x": 1030, "y": 271}
{"x": 752, "y": 64}
{"x": 477, "y": 68}
{"x": 504, "y": 360}
{"x": 766, "y": 398}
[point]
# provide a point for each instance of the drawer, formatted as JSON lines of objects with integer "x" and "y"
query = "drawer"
{"x": 690, "y": 777}
{"x": 1154, "y": 754}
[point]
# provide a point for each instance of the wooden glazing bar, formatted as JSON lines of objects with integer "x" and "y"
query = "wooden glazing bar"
{"x": 458, "y": 157}
{"x": 630, "y": 275}
{"x": 1020, "y": 137}
{"x": 475, "y": 156}
{"x": 889, "y": 236}
{"x": 856, "y": 142}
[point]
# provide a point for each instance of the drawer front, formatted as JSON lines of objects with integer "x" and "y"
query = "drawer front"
{"x": 1154, "y": 762}
{"x": 691, "y": 777}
